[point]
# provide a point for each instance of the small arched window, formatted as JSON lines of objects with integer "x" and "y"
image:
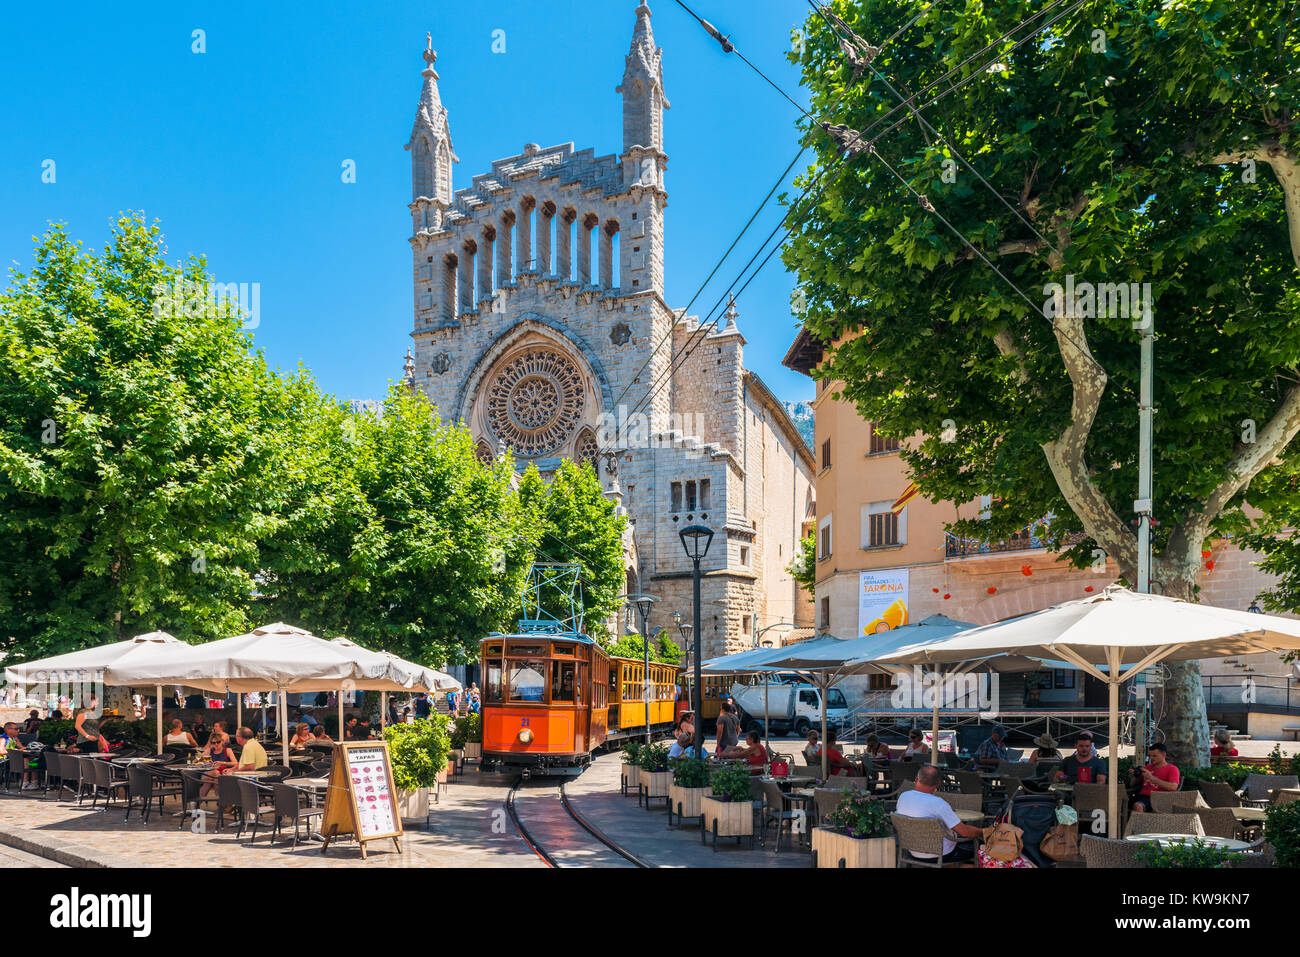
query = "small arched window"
{"x": 586, "y": 448}
{"x": 483, "y": 452}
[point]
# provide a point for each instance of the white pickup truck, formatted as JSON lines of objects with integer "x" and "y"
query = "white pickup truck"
{"x": 789, "y": 707}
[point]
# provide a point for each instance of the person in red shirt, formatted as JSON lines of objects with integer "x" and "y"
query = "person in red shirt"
{"x": 1158, "y": 775}
{"x": 752, "y": 751}
{"x": 1223, "y": 745}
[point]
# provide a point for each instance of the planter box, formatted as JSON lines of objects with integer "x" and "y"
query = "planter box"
{"x": 413, "y": 804}
{"x": 631, "y": 778}
{"x": 728, "y": 818}
{"x": 656, "y": 783}
{"x": 445, "y": 772}
{"x": 685, "y": 802}
{"x": 831, "y": 847}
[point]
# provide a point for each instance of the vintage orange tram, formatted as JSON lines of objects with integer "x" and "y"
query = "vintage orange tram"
{"x": 550, "y": 699}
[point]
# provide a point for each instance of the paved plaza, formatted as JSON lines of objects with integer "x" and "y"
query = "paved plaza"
{"x": 468, "y": 827}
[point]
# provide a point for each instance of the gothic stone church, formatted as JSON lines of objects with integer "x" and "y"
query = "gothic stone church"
{"x": 540, "y": 322}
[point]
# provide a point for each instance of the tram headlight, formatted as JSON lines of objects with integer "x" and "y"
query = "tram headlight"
{"x": 525, "y": 736}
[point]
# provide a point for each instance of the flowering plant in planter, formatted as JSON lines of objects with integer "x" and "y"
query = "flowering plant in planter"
{"x": 859, "y": 816}
{"x": 731, "y": 782}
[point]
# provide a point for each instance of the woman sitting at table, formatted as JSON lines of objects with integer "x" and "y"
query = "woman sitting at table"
{"x": 915, "y": 745}
{"x": 301, "y": 737}
{"x": 219, "y": 752}
{"x": 1045, "y": 750}
{"x": 835, "y": 761}
{"x": 320, "y": 736}
{"x": 877, "y": 750}
{"x": 178, "y": 735}
{"x": 752, "y": 751}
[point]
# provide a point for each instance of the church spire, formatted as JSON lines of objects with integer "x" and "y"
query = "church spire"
{"x": 644, "y": 101}
{"x": 430, "y": 144}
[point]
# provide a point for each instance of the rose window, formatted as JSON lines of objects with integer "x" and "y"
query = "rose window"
{"x": 535, "y": 402}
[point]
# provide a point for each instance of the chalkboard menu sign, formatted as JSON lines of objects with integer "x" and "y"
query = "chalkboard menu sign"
{"x": 361, "y": 799}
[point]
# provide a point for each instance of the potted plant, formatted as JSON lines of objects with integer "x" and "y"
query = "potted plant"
{"x": 729, "y": 810}
{"x": 858, "y": 832}
{"x": 654, "y": 776}
{"x": 419, "y": 755}
{"x": 631, "y": 778}
{"x": 1282, "y": 830}
{"x": 1190, "y": 853}
{"x": 468, "y": 736}
{"x": 690, "y": 785}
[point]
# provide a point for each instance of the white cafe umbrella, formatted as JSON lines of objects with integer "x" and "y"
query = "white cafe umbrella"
{"x": 90, "y": 665}
{"x": 401, "y": 675}
{"x": 277, "y": 656}
{"x": 1117, "y": 628}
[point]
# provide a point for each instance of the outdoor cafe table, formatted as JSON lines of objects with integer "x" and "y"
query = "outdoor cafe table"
{"x": 792, "y": 780}
{"x": 1164, "y": 840}
{"x": 1255, "y": 814}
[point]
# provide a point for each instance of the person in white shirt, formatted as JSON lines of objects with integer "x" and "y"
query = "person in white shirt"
{"x": 812, "y": 751}
{"x": 683, "y": 746}
{"x": 923, "y": 802}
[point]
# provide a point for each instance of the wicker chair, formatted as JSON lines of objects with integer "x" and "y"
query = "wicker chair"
{"x": 144, "y": 787}
{"x": 254, "y": 801}
{"x": 1265, "y": 857}
{"x": 192, "y": 796}
{"x": 922, "y": 835}
{"x": 288, "y": 806}
{"x": 1218, "y": 794}
{"x": 968, "y": 782}
{"x": 1174, "y": 802}
{"x": 963, "y": 802}
{"x": 1015, "y": 769}
{"x": 1103, "y": 852}
{"x": 1256, "y": 787}
{"x": 826, "y": 800}
{"x": 275, "y": 773}
{"x": 103, "y": 779}
{"x": 1218, "y": 821}
{"x": 227, "y": 797}
{"x": 1152, "y": 823}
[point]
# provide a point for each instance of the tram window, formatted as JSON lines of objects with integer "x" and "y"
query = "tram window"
{"x": 562, "y": 681}
{"x": 528, "y": 651}
{"x": 492, "y": 682}
{"x": 527, "y": 680}
{"x": 582, "y": 683}
{"x": 494, "y": 649}
{"x": 565, "y": 649}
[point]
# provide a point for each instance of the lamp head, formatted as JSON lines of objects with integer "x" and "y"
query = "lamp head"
{"x": 696, "y": 539}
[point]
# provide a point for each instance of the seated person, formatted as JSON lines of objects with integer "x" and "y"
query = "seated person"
{"x": 686, "y": 724}
{"x": 218, "y": 752}
{"x": 1084, "y": 766}
{"x": 320, "y": 736}
{"x": 1158, "y": 775}
{"x": 812, "y": 751}
{"x": 835, "y": 760}
{"x": 876, "y": 750}
{"x": 993, "y": 749}
{"x": 752, "y": 751}
{"x": 178, "y": 735}
{"x": 922, "y": 802}
{"x": 301, "y": 736}
{"x": 11, "y": 742}
{"x": 683, "y": 746}
{"x": 33, "y": 722}
{"x": 1222, "y": 744}
{"x": 1045, "y": 749}
{"x": 915, "y": 745}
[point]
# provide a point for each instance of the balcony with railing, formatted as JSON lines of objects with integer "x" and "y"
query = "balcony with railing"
{"x": 956, "y": 546}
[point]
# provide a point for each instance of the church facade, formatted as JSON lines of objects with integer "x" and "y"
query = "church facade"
{"x": 540, "y": 323}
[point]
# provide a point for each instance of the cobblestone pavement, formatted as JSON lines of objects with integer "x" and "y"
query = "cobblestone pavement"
{"x": 11, "y": 857}
{"x": 468, "y": 827}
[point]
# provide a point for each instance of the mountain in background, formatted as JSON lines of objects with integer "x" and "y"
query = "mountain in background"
{"x": 801, "y": 414}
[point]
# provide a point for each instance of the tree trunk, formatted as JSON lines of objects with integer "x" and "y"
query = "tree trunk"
{"x": 1186, "y": 729}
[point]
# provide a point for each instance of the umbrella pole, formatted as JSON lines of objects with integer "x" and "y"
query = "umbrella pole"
{"x": 767, "y": 717}
{"x": 824, "y": 684}
{"x": 158, "y": 715}
{"x": 1112, "y": 757}
{"x": 239, "y": 710}
{"x": 282, "y": 721}
{"x": 340, "y": 706}
{"x": 934, "y": 719}
{"x": 383, "y": 711}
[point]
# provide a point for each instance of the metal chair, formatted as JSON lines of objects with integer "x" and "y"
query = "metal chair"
{"x": 192, "y": 797}
{"x": 288, "y": 805}
{"x": 1152, "y": 823}
{"x": 1103, "y": 852}
{"x": 16, "y": 766}
{"x": 774, "y": 809}
{"x": 103, "y": 779}
{"x": 144, "y": 785}
{"x": 275, "y": 773}
{"x": 918, "y": 835}
{"x": 968, "y": 782}
{"x": 254, "y": 801}
{"x": 227, "y": 797}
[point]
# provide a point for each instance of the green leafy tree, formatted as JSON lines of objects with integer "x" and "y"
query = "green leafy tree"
{"x": 803, "y": 567}
{"x": 662, "y": 649}
{"x": 576, "y": 522}
{"x": 140, "y": 436}
{"x": 1140, "y": 141}
{"x": 396, "y": 535}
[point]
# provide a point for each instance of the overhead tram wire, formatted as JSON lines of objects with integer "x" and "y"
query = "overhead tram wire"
{"x": 943, "y": 139}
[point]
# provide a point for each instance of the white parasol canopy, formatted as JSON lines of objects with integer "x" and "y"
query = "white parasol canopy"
{"x": 1116, "y": 628}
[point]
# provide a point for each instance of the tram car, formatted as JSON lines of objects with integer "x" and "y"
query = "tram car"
{"x": 551, "y": 700}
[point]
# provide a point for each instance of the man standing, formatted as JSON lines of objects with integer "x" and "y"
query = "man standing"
{"x": 1085, "y": 766}
{"x": 923, "y": 802}
{"x": 728, "y": 729}
{"x": 994, "y": 748}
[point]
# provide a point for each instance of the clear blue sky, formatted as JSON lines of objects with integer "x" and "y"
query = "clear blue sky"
{"x": 237, "y": 151}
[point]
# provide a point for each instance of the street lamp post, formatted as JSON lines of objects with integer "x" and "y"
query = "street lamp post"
{"x": 643, "y": 605}
{"x": 763, "y": 631}
{"x": 684, "y": 629}
{"x": 696, "y": 539}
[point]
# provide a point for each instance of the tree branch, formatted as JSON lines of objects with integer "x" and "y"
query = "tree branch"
{"x": 1286, "y": 168}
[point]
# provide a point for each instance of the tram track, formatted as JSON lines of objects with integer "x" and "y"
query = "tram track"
{"x": 564, "y": 839}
